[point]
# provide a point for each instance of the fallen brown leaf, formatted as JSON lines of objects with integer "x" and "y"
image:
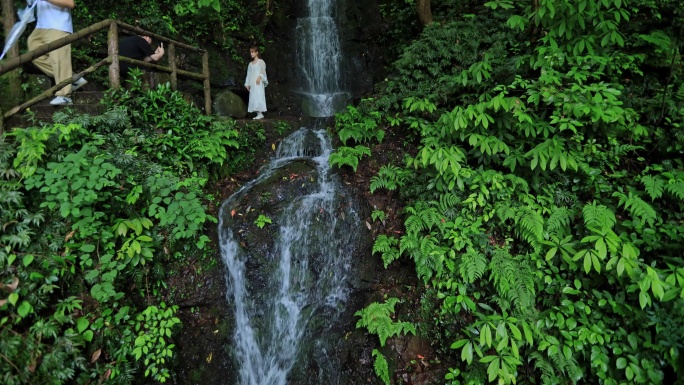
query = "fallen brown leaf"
{"x": 95, "y": 356}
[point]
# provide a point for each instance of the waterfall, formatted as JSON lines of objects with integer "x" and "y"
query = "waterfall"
{"x": 306, "y": 289}
{"x": 319, "y": 58}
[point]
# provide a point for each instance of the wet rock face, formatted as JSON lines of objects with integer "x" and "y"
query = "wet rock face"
{"x": 340, "y": 349}
{"x": 266, "y": 199}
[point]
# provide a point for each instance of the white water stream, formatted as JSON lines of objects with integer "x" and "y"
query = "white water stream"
{"x": 270, "y": 332}
{"x": 319, "y": 57}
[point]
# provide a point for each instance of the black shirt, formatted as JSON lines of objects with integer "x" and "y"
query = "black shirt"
{"x": 134, "y": 47}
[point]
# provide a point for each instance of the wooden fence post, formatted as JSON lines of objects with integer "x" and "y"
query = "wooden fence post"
{"x": 113, "y": 53}
{"x": 14, "y": 78}
{"x": 207, "y": 87}
{"x": 173, "y": 64}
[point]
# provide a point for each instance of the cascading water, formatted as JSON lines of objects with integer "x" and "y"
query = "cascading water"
{"x": 319, "y": 58}
{"x": 285, "y": 318}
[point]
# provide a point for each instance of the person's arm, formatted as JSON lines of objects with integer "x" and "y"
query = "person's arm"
{"x": 247, "y": 79}
{"x": 158, "y": 53}
{"x": 62, "y": 3}
{"x": 262, "y": 73}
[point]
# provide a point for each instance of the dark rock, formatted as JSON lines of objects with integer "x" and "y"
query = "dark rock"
{"x": 228, "y": 103}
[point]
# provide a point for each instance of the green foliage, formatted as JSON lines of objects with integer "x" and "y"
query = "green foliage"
{"x": 174, "y": 132}
{"x": 250, "y": 138}
{"x": 360, "y": 127}
{"x": 377, "y": 318}
{"x": 545, "y": 195}
{"x": 378, "y": 215}
{"x": 389, "y": 177}
{"x": 387, "y": 247}
{"x": 262, "y": 221}
{"x": 348, "y": 156}
{"x": 91, "y": 208}
{"x": 381, "y": 367}
{"x": 153, "y": 326}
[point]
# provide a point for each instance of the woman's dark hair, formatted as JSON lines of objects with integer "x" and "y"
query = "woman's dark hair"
{"x": 255, "y": 49}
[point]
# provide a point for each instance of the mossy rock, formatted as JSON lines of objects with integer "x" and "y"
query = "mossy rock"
{"x": 230, "y": 104}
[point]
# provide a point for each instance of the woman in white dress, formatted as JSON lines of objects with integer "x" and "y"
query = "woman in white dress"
{"x": 256, "y": 83}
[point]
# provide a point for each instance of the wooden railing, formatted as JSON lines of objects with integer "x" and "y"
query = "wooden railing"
{"x": 113, "y": 59}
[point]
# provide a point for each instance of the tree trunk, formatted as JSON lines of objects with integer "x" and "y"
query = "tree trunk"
{"x": 8, "y": 21}
{"x": 424, "y": 11}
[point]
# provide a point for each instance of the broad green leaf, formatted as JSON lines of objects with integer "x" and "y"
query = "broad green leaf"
{"x": 467, "y": 353}
{"x": 27, "y": 259}
{"x": 24, "y": 309}
{"x": 587, "y": 262}
{"x": 528, "y": 333}
{"x": 493, "y": 369}
{"x": 87, "y": 248}
{"x": 81, "y": 324}
{"x": 621, "y": 363}
{"x": 516, "y": 331}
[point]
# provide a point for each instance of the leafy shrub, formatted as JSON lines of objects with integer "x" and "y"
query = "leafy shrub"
{"x": 545, "y": 197}
{"x": 89, "y": 208}
{"x": 175, "y": 133}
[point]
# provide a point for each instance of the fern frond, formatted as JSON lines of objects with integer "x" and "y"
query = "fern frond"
{"x": 448, "y": 201}
{"x": 567, "y": 366}
{"x": 428, "y": 257}
{"x": 530, "y": 225}
{"x": 377, "y": 318}
{"x": 19, "y": 239}
{"x": 679, "y": 95}
{"x": 676, "y": 189}
{"x": 639, "y": 208}
{"x": 598, "y": 216}
{"x": 548, "y": 375}
{"x": 427, "y": 245}
{"x": 410, "y": 210}
{"x": 517, "y": 183}
{"x": 430, "y": 216}
{"x": 654, "y": 186}
{"x": 504, "y": 211}
{"x": 414, "y": 225}
{"x": 408, "y": 244}
{"x": 559, "y": 219}
{"x": 384, "y": 244}
{"x": 513, "y": 280}
{"x": 380, "y": 366}
{"x": 387, "y": 247}
{"x": 389, "y": 177}
{"x": 473, "y": 265}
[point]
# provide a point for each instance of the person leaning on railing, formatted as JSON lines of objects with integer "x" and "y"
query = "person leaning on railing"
{"x": 54, "y": 22}
{"x": 138, "y": 47}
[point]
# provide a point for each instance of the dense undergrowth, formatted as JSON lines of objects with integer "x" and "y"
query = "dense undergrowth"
{"x": 544, "y": 203}
{"x": 93, "y": 211}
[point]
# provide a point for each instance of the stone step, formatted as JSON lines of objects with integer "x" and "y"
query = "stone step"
{"x": 85, "y": 102}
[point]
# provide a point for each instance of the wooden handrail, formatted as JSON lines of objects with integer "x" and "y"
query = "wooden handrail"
{"x": 113, "y": 59}
{"x": 141, "y": 31}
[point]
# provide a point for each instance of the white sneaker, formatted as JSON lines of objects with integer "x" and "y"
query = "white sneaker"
{"x": 78, "y": 84}
{"x": 259, "y": 116}
{"x": 61, "y": 101}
